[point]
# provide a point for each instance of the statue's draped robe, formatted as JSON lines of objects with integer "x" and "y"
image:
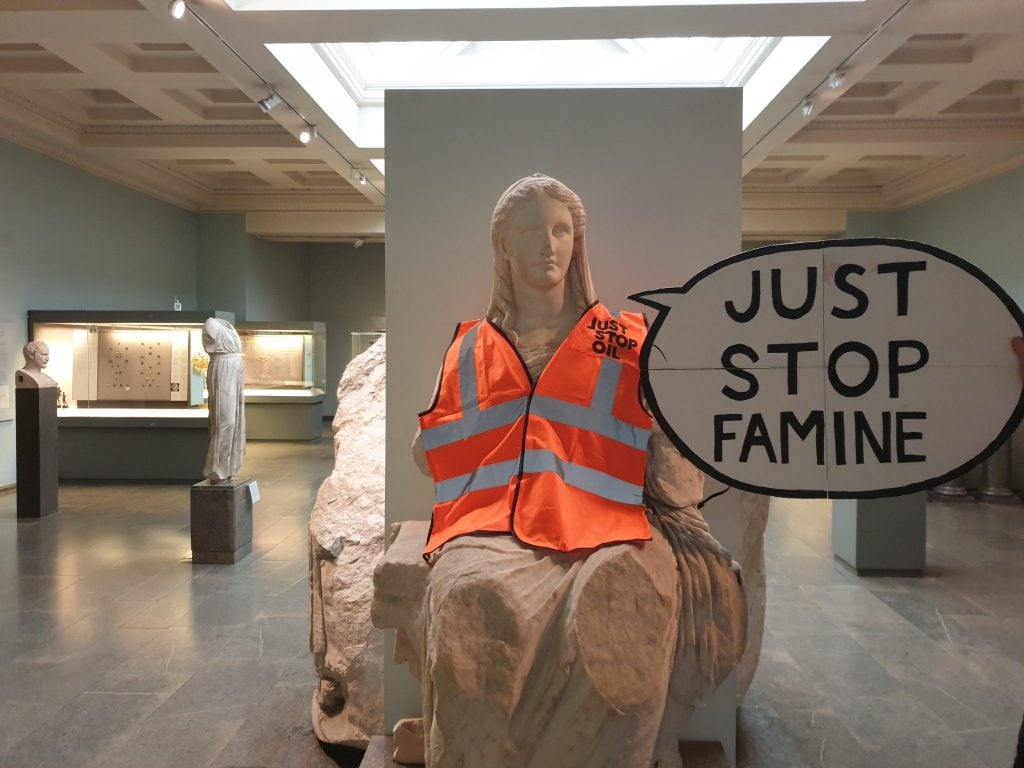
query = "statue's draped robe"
{"x": 225, "y": 382}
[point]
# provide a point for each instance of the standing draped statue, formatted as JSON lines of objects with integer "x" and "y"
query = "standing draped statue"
{"x": 576, "y": 594}
{"x": 225, "y": 382}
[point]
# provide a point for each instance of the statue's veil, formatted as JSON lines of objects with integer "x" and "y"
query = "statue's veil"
{"x": 578, "y": 284}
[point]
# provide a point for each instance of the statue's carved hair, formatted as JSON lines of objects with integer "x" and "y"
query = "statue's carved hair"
{"x": 578, "y": 283}
{"x": 30, "y": 349}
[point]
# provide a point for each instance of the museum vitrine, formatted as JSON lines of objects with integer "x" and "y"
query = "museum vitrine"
{"x": 285, "y": 372}
{"x": 283, "y": 358}
{"x": 123, "y": 360}
{"x": 132, "y": 395}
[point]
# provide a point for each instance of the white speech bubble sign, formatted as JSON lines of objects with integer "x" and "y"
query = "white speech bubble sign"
{"x": 857, "y": 368}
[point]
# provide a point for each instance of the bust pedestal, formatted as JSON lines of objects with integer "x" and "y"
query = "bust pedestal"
{"x": 36, "y": 425}
{"x": 221, "y": 516}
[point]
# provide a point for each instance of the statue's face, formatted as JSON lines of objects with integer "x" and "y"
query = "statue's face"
{"x": 41, "y": 355}
{"x": 539, "y": 243}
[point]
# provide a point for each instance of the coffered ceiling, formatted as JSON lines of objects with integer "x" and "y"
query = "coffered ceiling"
{"x": 932, "y": 99}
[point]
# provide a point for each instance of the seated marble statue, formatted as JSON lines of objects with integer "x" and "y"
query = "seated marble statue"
{"x": 225, "y": 382}
{"x": 37, "y": 357}
{"x": 576, "y": 596}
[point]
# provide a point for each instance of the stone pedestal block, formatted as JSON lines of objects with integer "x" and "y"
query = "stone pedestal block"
{"x": 881, "y": 536}
{"x": 36, "y": 414}
{"x": 221, "y": 515}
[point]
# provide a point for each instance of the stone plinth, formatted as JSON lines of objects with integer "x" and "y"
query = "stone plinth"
{"x": 36, "y": 413}
{"x": 221, "y": 515}
{"x": 881, "y": 536}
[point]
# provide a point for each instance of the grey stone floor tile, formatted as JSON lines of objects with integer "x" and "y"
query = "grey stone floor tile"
{"x": 838, "y": 666}
{"x": 762, "y": 739}
{"x": 53, "y": 680}
{"x": 853, "y": 607}
{"x": 783, "y": 684}
{"x": 164, "y": 612}
{"x": 18, "y": 720}
{"x": 185, "y": 740}
{"x": 825, "y": 742}
{"x": 221, "y": 687}
{"x": 84, "y": 726}
{"x": 996, "y": 747}
{"x": 798, "y": 619}
{"x": 282, "y": 712}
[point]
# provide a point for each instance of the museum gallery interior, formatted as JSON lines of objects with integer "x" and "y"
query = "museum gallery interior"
{"x": 269, "y": 264}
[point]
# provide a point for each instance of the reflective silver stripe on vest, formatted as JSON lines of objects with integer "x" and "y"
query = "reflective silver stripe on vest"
{"x": 473, "y": 423}
{"x": 607, "y": 382}
{"x": 467, "y": 371}
{"x": 577, "y": 416}
{"x": 584, "y": 478}
{"x": 487, "y": 476}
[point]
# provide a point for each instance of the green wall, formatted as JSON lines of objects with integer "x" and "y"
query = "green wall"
{"x": 346, "y": 293}
{"x": 256, "y": 279}
{"x": 70, "y": 240}
{"x": 983, "y": 223}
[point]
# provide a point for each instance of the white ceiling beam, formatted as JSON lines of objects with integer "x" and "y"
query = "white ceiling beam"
{"x": 122, "y": 26}
{"x": 271, "y": 174}
{"x": 909, "y": 136}
{"x": 96, "y": 63}
{"x": 289, "y": 224}
{"x": 1003, "y": 60}
{"x": 789, "y": 223}
{"x": 330, "y": 26}
{"x": 957, "y": 173}
{"x": 819, "y": 171}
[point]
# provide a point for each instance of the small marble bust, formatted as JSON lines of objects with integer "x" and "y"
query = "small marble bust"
{"x": 37, "y": 356}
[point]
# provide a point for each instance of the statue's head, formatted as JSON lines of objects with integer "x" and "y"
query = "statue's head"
{"x": 538, "y": 238}
{"x": 37, "y": 355}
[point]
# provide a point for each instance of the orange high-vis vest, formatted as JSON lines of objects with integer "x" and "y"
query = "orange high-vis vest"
{"x": 559, "y": 463}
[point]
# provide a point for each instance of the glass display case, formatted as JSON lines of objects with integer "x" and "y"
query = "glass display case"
{"x": 285, "y": 375}
{"x": 362, "y": 341}
{"x": 282, "y": 357}
{"x": 131, "y": 391}
{"x": 115, "y": 360}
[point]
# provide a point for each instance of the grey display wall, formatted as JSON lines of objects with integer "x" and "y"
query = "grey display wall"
{"x": 70, "y": 240}
{"x": 658, "y": 171}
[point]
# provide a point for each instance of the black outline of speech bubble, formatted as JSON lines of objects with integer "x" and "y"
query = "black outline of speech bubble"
{"x": 663, "y": 311}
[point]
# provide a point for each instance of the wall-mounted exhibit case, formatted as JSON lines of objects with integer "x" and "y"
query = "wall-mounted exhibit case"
{"x": 363, "y": 341}
{"x": 285, "y": 374}
{"x": 131, "y": 391}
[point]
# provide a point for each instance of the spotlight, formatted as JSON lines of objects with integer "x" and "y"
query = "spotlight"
{"x": 268, "y": 103}
{"x": 836, "y": 79}
{"x": 307, "y": 134}
{"x": 807, "y": 107}
{"x": 358, "y": 242}
{"x": 362, "y": 179}
{"x": 176, "y": 8}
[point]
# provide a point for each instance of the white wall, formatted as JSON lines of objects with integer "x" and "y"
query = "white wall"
{"x": 659, "y": 174}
